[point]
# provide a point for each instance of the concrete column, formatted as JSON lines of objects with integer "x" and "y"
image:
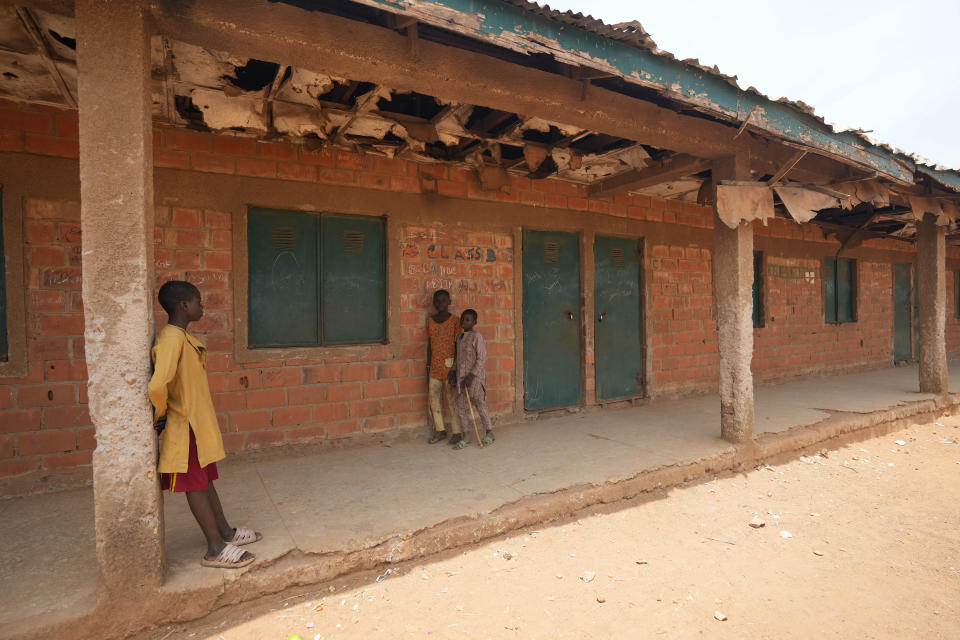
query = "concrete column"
{"x": 116, "y": 198}
{"x": 733, "y": 302}
{"x": 932, "y": 299}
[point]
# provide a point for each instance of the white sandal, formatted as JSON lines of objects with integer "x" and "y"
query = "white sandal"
{"x": 243, "y": 536}
{"x": 231, "y": 557}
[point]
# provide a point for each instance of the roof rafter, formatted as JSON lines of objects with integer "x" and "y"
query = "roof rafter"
{"x": 33, "y": 30}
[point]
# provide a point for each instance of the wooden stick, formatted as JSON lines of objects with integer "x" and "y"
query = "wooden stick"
{"x": 473, "y": 417}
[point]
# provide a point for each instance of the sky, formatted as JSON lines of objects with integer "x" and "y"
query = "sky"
{"x": 892, "y": 67}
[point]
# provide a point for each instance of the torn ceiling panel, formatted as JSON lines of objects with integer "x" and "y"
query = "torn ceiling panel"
{"x": 25, "y": 77}
{"x": 305, "y": 87}
{"x": 591, "y": 167}
{"x": 202, "y": 67}
{"x": 872, "y": 192}
{"x": 544, "y": 126}
{"x": 221, "y": 111}
{"x": 744, "y": 203}
{"x": 12, "y": 35}
{"x": 298, "y": 120}
{"x": 59, "y": 33}
{"x": 804, "y": 204}
{"x": 675, "y": 189}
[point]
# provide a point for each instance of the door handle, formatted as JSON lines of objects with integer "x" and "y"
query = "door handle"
{"x": 569, "y": 315}
{"x": 603, "y": 314}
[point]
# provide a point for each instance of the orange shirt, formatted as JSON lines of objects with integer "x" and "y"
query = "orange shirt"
{"x": 443, "y": 345}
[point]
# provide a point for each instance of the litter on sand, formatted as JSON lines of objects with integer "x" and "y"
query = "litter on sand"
{"x": 786, "y": 534}
{"x": 588, "y": 576}
{"x": 719, "y": 616}
{"x": 899, "y": 442}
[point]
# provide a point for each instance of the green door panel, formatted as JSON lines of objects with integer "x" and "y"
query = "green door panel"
{"x": 901, "y": 312}
{"x": 551, "y": 319}
{"x": 283, "y": 298}
{"x": 354, "y": 287}
{"x": 617, "y": 318}
{"x": 845, "y": 274}
{"x": 829, "y": 289}
{"x": 757, "y": 282}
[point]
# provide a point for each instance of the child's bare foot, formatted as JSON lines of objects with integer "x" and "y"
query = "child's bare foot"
{"x": 227, "y": 557}
{"x": 456, "y": 439}
{"x": 437, "y": 437}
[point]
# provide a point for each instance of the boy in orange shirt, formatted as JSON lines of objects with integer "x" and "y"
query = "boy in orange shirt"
{"x": 191, "y": 444}
{"x": 442, "y": 331}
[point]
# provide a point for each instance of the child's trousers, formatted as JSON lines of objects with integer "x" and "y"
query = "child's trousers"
{"x": 440, "y": 390}
{"x": 478, "y": 395}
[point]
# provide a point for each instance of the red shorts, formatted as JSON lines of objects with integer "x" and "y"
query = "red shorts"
{"x": 195, "y": 479}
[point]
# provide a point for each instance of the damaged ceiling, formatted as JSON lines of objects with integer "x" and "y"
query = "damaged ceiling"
{"x": 213, "y": 90}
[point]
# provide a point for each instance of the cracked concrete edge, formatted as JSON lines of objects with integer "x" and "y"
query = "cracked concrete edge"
{"x": 295, "y": 568}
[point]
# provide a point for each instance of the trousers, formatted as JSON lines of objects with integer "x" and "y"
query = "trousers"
{"x": 440, "y": 391}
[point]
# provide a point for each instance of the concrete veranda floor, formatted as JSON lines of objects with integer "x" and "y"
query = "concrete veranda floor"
{"x": 355, "y": 498}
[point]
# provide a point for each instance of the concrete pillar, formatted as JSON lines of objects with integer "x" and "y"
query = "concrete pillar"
{"x": 932, "y": 299}
{"x": 733, "y": 302}
{"x": 116, "y": 198}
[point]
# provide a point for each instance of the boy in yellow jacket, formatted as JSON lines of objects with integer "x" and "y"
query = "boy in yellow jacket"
{"x": 183, "y": 410}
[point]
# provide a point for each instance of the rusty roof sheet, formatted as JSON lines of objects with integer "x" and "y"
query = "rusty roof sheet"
{"x": 633, "y": 34}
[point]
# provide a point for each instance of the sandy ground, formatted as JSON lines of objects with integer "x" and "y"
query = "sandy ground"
{"x": 861, "y": 543}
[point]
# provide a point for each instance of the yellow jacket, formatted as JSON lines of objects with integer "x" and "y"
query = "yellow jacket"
{"x": 179, "y": 390}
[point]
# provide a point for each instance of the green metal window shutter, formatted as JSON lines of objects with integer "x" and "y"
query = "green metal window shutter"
{"x": 830, "y": 289}
{"x": 757, "y": 275}
{"x": 845, "y": 289}
{"x": 354, "y": 283}
{"x": 4, "y": 346}
{"x": 283, "y": 282}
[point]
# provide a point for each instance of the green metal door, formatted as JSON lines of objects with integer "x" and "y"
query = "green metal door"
{"x": 283, "y": 286}
{"x": 901, "y": 312}
{"x": 354, "y": 295}
{"x": 551, "y": 319}
{"x": 617, "y": 317}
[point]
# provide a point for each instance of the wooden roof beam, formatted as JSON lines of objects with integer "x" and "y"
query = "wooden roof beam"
{"x": 666, "y": 170}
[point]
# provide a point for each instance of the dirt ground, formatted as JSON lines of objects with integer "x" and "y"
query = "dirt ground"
{"x": 863, "y": 542}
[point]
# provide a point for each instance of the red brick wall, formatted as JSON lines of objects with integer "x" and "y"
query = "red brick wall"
{"x": 953, "y": 319}
{"x": 43, "y": 418}
{"x": 683, "y": 331}
{"x": 796, "y": 340}
{"x": 44, "y": 426}
{"x": 477, "y": 270}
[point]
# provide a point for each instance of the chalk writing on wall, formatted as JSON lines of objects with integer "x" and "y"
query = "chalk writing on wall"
{"x": 469, "y": 254}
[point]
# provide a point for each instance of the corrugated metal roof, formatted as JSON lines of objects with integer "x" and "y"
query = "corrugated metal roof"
{"x": 631, "y": 33}
{"x": 578, "y": 39}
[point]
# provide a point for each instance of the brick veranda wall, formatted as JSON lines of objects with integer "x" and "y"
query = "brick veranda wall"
{"x": 45, "y": 430}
